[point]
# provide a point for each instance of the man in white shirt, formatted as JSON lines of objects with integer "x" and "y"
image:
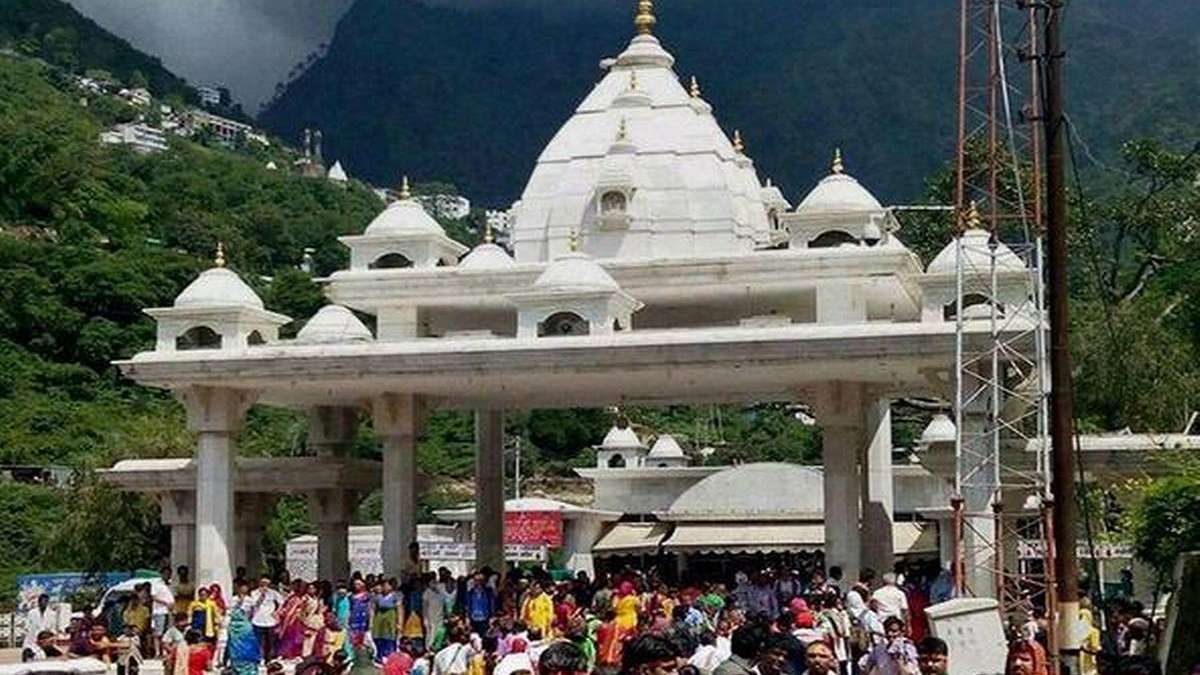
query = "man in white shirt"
{"x": 40, "y": 617}
{"x": 891, "y": 598}
{"x": 264, "y": 603}
{"x": 455, "y": 657}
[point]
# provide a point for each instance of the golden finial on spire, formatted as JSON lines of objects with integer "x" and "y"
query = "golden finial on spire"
{"x": 694, "y": 90}
{"x": 644, "y": 21}
{"x": 404, "y": 191}
{"x": 973, "y": 220}
{"x": 219, "y": 260}
{"x": 573, "y": 241}
{"x": 487, "y": 231}
{"x": 838, "y": 167}
{"x": 738, "y": 145}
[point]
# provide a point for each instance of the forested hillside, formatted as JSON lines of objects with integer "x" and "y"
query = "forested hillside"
{"x": 471, "y": 92}
{"x": 54, "y": 31}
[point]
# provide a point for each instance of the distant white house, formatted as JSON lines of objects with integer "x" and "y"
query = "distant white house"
{"x": 446, "y": 205}
{"x": 226, "y": 130}
{"x": 141, "y": 138}
{"x": 210, "y": 95}
{"x": 137, "y": 96}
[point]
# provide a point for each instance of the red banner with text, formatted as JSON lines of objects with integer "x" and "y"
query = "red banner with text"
{"x": 537, "y": 528}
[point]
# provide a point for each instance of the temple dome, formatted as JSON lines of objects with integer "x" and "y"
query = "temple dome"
{"x": 666, "y": 447}
{"x": 767, "y": 490}
{"x": 689, "y": 192}
{"x": 404, "y": 216}
{"x": 575, "y": 271}
{"x": 218, "y": 287}
{"x": 621, "y": 437}
{"x": 975, "y": 248}
{"x": 333, "y": 324}
{"x": 838, "y": 193}
{"x": 487, "y": 256}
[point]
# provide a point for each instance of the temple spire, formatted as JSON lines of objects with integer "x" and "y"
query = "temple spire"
{"x": 738, "y": 145}
{"x": 487, "y": 231}
{"x": 644, "y": 21}
{"x": 219, "y": 260}
{"x": 837, "y": 167}
{"x": 694, "y": 90}
{"x": 404, "y": 191}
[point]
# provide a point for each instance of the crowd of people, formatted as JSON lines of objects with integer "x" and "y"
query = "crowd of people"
{"x": 785, "y": 622}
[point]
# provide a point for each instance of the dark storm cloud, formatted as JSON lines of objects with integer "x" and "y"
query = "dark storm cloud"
{"x": 247, "y": 45}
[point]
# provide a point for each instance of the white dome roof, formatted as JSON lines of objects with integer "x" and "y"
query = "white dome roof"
{"x": 620, "y": 438}
{"x": 575, "y": 271}
{"x": 762, "y": 490}
{"x": 218, "y": 287}
{"x": 337, "y": 173}
{"x": 404, "y": 217}
{"x": 333, "y": 324}
{"x": 975, "y": 249}
{"x": 838, "y": 193}
{"x": 691, "y": 192}
{"x": 487, "y": 256}
{"x": 666, "y": 447}
{"x": 940, "y": 429}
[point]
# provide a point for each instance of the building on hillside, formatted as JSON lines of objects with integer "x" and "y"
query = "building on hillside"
{"x": 226, "y": 131}
{"x": 137, "y": 96}
{"x": 446, "y": 206}
{"x": 142, "y": 138}
{"x": 214, "y": 95}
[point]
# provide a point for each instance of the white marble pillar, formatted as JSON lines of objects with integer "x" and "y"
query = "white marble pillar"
{"x": 252, "y": 510}
{"x": 178, "y": 512}
{"x": 215, "y": 414}
{"x": 978, "y": 493}
{"x": 330, "y": 511}
{"x": 397, "y": 420}
{"x": 331, "y": 430}
{"x": 489, "y": 489}
{"x": 878, "y": 550}
{"x": 839, "y": 408}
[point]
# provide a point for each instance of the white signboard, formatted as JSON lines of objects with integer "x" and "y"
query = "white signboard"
{"x": 466, "y": 551}
{"x": 1034, "y": 549}
{"x": 972, "y": 630}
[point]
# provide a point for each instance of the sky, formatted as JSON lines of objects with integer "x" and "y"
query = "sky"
{"x": 245, "y": 45}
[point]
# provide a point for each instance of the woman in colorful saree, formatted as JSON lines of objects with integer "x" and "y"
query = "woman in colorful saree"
{"x": 242, "y": 649}
{"x": 290, "y": 643}
{"x": 384, "y": 618}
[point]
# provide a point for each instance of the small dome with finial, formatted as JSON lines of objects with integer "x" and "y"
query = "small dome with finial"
{"x": 487, "y": 255}
{"x": 333, "y": 324}
{"x": 977, "y": 248}
{"x": 838, "y": 192}
{"x": 575, "y": 271}
{"x": 218, "y": 286}
{"x": 404, "y": 216}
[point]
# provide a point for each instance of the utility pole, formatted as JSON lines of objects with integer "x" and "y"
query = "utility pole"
{"x": 517, "y": 471}
{"x": 1062, "y": 397}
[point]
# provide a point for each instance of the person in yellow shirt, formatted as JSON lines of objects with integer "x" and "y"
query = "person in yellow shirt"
{"x": 627, "y": 605}
{"x": 1089, "y": 648}
{"x": 204, "y": 615}
{"x": 538, "y": 610}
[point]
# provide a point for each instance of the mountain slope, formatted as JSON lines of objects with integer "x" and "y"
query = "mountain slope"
{"x": 472, "y": 95}
{"x": 54, "y": 31}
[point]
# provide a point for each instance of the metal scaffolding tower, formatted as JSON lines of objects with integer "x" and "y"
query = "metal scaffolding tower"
{"x": 1003, "y": 529}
